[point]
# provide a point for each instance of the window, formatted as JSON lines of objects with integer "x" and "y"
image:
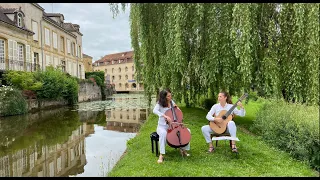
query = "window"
{"x": 63, "y": 65}
{"x": 126, "y": 69}
{"x": 20, "y": 57}
{"x": 47, "y": 36}
{"x": 2, "y": 55}
{"x": 35, "y": 30}
{"x": 68, "y": 46}
{"x": 19, "y": 19}
{"x": 55, "y": 62}
{"x": 73, "y": 49}
{"x": 106, "y": 71}
{"x": 112, "y": 78}
{"x": 79, "y": 52}
{"x": 132, "y": 68}
{"x": 132, "y": 76}
{"x": 112, "y": 70}
{"x": 28, "y": 58}
{"x": 62, "y": 47}
{"x": 119, "y": 77}
{"x": 48, "y": 60}
{"x": 126, "y": 77}
{"x": 35, "y": 61}
{"x": 119, "y": 69}
{"x": 119, "y": 85}
{"x": 55, "y": 40}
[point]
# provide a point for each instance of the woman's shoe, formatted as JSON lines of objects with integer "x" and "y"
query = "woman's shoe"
{"x": 184, "y": 153}
{"x": 234, "y": 148}
{"x": 160, "y": 160}
{"x": 211, "y": 149}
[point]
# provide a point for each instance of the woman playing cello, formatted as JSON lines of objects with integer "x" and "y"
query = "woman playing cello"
{"x": 163, "y": 104}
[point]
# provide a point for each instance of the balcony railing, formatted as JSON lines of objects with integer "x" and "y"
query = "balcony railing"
{"x": 9, "y": 64}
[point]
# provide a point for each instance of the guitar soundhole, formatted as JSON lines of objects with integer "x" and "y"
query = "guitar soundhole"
{"x": 224, "y": 117}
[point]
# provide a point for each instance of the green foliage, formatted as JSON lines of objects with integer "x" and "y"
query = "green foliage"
{"x": 256, "y": 157}
{"x": 232, "y": 47}
{"x": 12, "y": 102}
{"x": 99, "y": 74}
{"x": 23, "y": 80}
{"x": 208, "y": 103}
{"x": 291, "y": 127}
{"x": 99, "y": 79}
{"x": 51, "y": 84}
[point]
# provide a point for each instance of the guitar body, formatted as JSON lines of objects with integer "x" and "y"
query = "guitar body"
{"x": 220, "y": 128}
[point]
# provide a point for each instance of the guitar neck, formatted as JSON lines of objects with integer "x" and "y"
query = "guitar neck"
{"x": 173, "y": 112}
{"x": 231, "y": 109}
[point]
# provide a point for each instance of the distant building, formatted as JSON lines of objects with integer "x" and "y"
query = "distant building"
{"x": 119, "y": 71}
{"x": 32, "y": 39}
{"x": 87, "y": 62}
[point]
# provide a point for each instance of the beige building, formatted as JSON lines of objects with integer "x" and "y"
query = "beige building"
{"x": 119, "y": 71}
{"x": 32, "y": 39}
{"x": 87, "y": 62}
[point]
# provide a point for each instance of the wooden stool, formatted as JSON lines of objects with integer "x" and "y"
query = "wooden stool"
{"x": 154, "y": 139}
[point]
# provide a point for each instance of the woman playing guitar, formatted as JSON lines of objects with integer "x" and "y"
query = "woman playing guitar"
{"x": 224, "y": 105}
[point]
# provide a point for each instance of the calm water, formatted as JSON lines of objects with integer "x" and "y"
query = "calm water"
{"x": 85, "y": 140}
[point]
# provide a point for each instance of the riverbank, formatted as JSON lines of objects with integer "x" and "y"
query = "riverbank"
{"x": 256, "y": 157}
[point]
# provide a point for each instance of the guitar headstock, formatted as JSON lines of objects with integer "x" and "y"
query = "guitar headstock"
{"x": 245, "y": 95}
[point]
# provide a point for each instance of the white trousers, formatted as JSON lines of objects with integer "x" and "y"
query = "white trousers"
{"x": 231, "y": 128}
{"x": 162, "y": 132}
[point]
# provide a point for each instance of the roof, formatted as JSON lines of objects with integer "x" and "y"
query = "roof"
{"x": 55, "y": 15}
{"x": 4, "y": 18}
{"x": 86, "y": 56}
{"x": 116, "y": 56}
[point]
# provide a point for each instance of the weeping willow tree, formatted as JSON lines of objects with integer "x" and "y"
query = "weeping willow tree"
{"x": 200, "y": 49}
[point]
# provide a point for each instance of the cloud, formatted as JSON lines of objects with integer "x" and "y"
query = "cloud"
{"x": 102, "y": 34}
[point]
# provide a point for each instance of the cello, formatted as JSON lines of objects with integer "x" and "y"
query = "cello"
{"x": 177, "y": 135}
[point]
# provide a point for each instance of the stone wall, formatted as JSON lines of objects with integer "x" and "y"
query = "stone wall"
{"x": 35, "y": 105}
{"x": 88, "y": 92}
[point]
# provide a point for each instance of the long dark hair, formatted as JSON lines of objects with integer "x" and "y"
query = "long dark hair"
{"x": 162, "y": 98}
{"x": 229, "y": 101}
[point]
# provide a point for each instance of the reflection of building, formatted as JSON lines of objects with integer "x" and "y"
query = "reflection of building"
{"x": 125, "y": 120}
{"x": 119, "y": 71}
{"x": 48, "y": 161}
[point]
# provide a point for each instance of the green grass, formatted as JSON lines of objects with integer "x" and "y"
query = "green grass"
{"x": 256, "y": 158}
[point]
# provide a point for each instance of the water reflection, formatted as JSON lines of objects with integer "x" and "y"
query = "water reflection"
{"x": 52, "y": 146}
{"x": 125, "y": 120}
{"x": 86, "y": 140}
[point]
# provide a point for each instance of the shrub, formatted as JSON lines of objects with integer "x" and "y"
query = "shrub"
{"x": 12, "y": 102}
{"x": 290, "y": 127}
{"x": 208, "y": 103}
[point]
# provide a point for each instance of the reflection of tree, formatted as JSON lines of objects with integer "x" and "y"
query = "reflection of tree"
{"x": 52, "y": 129}
{"x": 54, "y": 146}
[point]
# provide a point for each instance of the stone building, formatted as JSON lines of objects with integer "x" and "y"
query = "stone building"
{"x": 32, "y": 39}
{"x": 87, "y": 62}
{"x": 119, "y": 71}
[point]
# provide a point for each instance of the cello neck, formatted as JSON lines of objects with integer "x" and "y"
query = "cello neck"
{"x": 173, "y": 112}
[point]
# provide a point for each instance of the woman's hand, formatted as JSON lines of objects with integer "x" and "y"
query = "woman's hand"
{"x": 167, "y": 118}
{"x": 240, "y": 104}
{"x": 218, "y": 120}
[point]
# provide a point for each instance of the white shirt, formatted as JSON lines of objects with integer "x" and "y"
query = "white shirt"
{"x": 160, "y": 111}
{"x": 217, "y": 108}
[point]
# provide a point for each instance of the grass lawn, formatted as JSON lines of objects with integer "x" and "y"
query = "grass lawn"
{"x": 256, "y": 158}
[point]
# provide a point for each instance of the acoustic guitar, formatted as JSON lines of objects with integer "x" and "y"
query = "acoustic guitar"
{"x": 226, "y": 116}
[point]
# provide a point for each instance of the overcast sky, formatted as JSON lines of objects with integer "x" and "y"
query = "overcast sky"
{"x": 102, "y": 34}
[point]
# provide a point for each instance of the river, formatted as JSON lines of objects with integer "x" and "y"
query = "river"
{"x": 80, "y": 141}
